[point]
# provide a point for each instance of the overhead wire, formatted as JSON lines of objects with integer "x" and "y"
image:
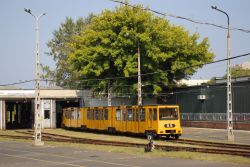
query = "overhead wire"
{"x": 17, "y": 83}
{"x": 181, "y": 17}
{"x": 152, "y": 73}
{"x": 114, "y": 78}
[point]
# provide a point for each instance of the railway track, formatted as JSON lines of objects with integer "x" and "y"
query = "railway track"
{"x": 215, "y": 148}
{"x": 211, "y": 144}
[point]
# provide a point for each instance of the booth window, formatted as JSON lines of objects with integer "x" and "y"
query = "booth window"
{"x": 46, "y": 114}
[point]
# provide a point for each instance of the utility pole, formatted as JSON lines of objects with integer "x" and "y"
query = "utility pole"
{"x": 139, "y": 77}
{"x": 139, "y": 72}
{"x": 38, "y": 117}
{"x": 109, "y": 94}
{"x": 230, "y": 134}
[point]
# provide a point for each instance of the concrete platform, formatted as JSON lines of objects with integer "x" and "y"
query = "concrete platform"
{"x": 18, "y": 154}
{"x": 219, "y": 135}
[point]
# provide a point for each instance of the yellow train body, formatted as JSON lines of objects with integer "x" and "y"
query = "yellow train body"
{"x": 159, "y": 120}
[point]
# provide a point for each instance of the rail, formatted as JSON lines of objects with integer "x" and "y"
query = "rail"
{"x": 207, "y": 147}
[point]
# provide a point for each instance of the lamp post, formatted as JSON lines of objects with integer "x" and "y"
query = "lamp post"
{"x": 38, "y": 117}
{"x": 139, "y": 76}
{"x": 230, "y": 134}
{"x": 139, "y": 85}
{"x": 109, "y": 94}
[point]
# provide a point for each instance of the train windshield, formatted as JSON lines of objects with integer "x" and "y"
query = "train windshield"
{"x": 168, "y": 114}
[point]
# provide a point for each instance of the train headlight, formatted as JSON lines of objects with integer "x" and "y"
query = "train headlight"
{"x": 169, "y": 125}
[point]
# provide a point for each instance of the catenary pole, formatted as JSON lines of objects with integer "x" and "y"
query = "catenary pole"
{"x": 229, "y": 87}
{"x": 38, "y": 117}
{"x": 139, "y": 76}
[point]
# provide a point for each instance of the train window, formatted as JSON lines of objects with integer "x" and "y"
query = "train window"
{"x": 150, "y": 114}
{"x": 130, "y": 115}
{"x": 124, "y": 113}
{"x": 72, "y": 115}
{"x": 134, "y": 113}
{"x": 168, "y": 114}
{"x": 154, "y": 114}
{"x": 68, "y": 115}
{"x": 96, "y": 114}
{"x": 79, "y": 114}
{"x": 137, "y": 114}
{"x": 142, "y": 114}
{"x": 89, "y": 114}
{"x": 118, "y": 115}
{"x": 100, "y": 114}
{"x": 106, "y": 112}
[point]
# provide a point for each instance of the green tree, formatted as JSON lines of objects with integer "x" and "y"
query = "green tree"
{"x": 238, "y": 71}
{"x": 63, "y": 75}
{"x": 107, "y": 48}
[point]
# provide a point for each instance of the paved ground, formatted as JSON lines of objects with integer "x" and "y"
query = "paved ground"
{"x": 242, "y": 137}
{"x": 17, "y": 154}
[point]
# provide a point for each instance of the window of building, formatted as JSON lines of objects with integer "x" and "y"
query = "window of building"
{"x": 46, "y": 114}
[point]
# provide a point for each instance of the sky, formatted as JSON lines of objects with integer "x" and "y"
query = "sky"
{"x": 17, "y": 34}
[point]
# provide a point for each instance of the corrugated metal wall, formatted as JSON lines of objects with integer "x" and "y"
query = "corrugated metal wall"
{"x": 215, "y": 98}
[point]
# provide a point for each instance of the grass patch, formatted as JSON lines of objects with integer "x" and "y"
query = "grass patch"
{"x": 12, "y": 132}
{"x": 160, "y": 153}
{"x": 107, "y": 137}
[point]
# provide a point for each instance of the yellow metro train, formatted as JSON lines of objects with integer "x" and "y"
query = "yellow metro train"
{"x": 155, "y": 120}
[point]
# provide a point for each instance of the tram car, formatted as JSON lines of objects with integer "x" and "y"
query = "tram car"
{"x": 157, "y": 120}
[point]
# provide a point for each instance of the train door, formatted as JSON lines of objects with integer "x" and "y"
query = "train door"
{"x": 89, "y": 118}
{"x": 149, "y": 118}
{"x": 142, "y": 118}
{"x": 136, "y": 125}
{"x": 79, "y": 118}
{"x": 111, "y": 117}
{"x": 118, "y": 118}
{"x": 137, "y": 120}
{"x": 124, "y": 119}
{"x": 106, "y": 118}
{"x": 130, "y": 118}
{"x": 100, "y": 118}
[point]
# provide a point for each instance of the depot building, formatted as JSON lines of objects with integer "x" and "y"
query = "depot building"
{"x": 17, "y": 106}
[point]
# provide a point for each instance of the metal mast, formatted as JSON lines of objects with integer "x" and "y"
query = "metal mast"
{"x": 139, "y": 77}
{"x": 109, "y": 94}
{"x": 230, "y": 134}
{"x": 38, "y": 117}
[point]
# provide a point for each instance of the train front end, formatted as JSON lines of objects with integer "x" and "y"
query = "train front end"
{"x": 169, "y": 122}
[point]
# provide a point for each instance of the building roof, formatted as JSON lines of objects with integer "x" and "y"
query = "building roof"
{"x": 44, "y": 93}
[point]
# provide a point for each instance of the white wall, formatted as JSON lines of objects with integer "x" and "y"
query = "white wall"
{"x": 2, "y": 115}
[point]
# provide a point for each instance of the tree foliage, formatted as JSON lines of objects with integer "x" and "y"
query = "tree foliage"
{"x": 107, "y": 47}
{"x": 238, "y": 71}
{"x": 63, "y": 75}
